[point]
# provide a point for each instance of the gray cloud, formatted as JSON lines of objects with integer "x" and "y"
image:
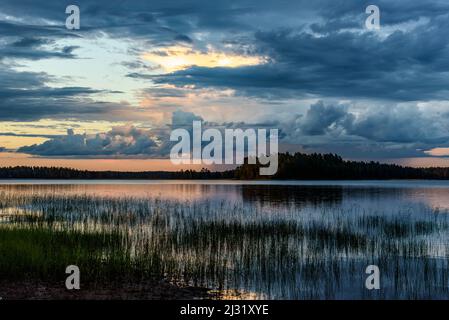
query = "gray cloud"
{"x": 403, "y": 66}
{"x": 184, "y": 119}
{"x": 24, "y": 96}
{"x": 31, "y": 48}
{"x": 120, "y": 141}
{"x": 390, "y": 131}
{"x": 321, "y": 117}
{"x": 398, "y": 124}
{"x": 127, "y": 141}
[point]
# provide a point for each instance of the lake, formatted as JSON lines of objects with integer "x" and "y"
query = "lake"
{"x": 248, "y": 239}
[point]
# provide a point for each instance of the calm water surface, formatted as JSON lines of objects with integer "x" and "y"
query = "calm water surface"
{"x": 267, "y": 239}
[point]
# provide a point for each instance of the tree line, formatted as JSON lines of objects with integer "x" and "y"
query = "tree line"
{"x": 68, "y": 173}
{"x": 297, "y": 166}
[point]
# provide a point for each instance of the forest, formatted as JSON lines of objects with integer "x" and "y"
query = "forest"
{"x": 297, "y": 166}
{"x": 300, "y": 166}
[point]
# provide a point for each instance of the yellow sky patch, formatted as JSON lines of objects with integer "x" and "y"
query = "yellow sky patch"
{"x": 438, "y": 152}
{"x": 177, "y": 58}
{"x": 13, "y": 142}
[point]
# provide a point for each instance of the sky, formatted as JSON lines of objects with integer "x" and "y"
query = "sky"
{"x": 107, "y": 96}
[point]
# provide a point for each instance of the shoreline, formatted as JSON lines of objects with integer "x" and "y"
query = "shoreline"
{"x": 144, "y": 290}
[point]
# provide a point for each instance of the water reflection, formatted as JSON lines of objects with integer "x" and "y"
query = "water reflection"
{"x": 276, "y": 241}
{"x": 317, "y": 194}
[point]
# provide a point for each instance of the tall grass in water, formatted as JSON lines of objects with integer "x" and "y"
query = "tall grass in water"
{"x": 287, "y": 252}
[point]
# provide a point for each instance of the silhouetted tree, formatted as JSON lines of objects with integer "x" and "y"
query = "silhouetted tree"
{"x": 297, "y": 166}
{"x": 315, "y": 166}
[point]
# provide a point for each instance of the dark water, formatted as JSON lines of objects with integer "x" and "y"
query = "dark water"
{"x": 275, "y": 240}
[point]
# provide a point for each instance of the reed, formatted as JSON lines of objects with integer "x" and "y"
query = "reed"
{"x": 272, "y": 252}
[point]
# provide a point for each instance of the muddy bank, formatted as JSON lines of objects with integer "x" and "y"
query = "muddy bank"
{"x": 148, "y": 290}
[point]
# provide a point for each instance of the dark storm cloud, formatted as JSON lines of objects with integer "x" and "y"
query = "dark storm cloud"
{"x": 391, "y": 123}
{"x": 43, "y": 92}
{"x": 34, "y": 42}
{"x": 61, "y": 108}
{"x": 392, "y": 12}
{"x": 320, "y": 117}
{"x": 406, "y": 124}
{"x": 161, "y": 22}
{"x": 24, "y": 96}
{"x": 404, "y": 66}
{"x": 389, "y": 131}
{"x": 31, "y": 29}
